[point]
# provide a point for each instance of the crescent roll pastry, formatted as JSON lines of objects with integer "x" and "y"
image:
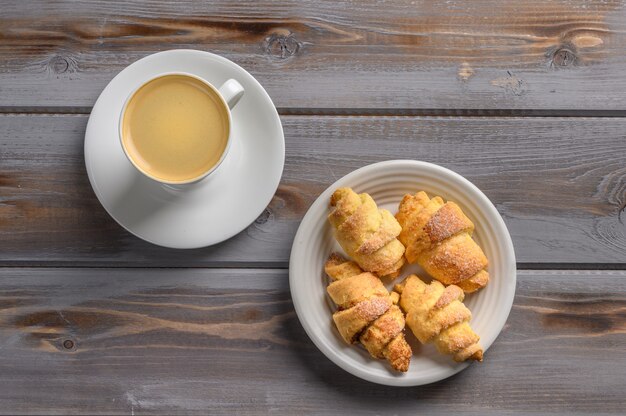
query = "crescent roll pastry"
{"x": 435, "y": 313}
{"x": 366, "y": 233}
{"x": 367, "y": 312}
{"x": 438, "y": 236}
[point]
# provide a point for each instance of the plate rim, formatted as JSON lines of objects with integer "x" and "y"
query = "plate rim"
{"x": 335, "y": 356}
{"x": 275, "y": 116}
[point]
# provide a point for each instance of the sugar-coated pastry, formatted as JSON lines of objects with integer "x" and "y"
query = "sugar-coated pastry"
{"x": 436, "y": 314}
{"x": 367, "y": 312}
{"x": 438, "y": 236}
{"x": 367, "y": 233}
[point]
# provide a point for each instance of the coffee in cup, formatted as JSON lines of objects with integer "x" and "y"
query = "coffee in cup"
{"x": 175, "y": 128}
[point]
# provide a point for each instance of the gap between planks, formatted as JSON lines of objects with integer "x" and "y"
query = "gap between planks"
{"x": 17, "y": 264}
{"x": 367, "y": 112}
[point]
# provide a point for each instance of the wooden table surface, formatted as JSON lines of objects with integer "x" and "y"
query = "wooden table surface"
{"x": 526, "y": 99}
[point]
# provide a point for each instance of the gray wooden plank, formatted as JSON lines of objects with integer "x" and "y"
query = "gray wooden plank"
{"x": 559, "y": 183}
{"x": 439, "y": 54}
{"x": 198, "y": 341}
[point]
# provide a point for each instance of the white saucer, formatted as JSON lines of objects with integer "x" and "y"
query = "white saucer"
{"x": 217, "y": 207}
{"x": 387, "y": 182}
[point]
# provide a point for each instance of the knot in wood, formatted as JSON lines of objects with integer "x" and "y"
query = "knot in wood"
{"x": 621, "y": 210}
{"x": 563, "y": 57}
{"x": 59, "y": 65}
{"x": 264, "y": 217}
{"x": 68, "y": 344}
{"x": 282, "y": 45}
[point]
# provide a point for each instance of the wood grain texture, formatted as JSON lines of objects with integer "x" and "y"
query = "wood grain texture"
{"x": 183, "y": 341}
{"x": 559, "y": 183}
{"x": 191, "y": 340}
{"x": 411, "y": 54}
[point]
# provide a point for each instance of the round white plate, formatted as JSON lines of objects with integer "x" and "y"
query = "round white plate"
{"x": 387, "y": 182}
{"x": 215, "y": 208}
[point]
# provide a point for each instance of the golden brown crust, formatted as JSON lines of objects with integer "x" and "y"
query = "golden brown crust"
{"x": 413, "y": 215}
{"x": 438, "y": 236}
{"x": 395, "y": 297}
{"x": 367, "y": 312}
{"x": 450, "y": 293}
{"x": 351, "y": 322}
{"x": 398, "y": 353}
{"x": 380, "y": 332}
{"x": 474, "y": 352}
{"x": 389, "y": 230}
{"x": 457, "y": 259}
{"x": 436, "y": 314}
{"x": 475, "y": 282}
{"x": 351, "y": 290}
{"x": 337, "y": 267}
{"x": 447, "y": 221}
{"x": 367, "y": 233}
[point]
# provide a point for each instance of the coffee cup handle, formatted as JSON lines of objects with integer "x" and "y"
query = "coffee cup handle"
{"x": 232, "y": 91}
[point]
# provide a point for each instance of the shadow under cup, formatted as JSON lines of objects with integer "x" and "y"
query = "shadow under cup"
{"x": 175, "y": 128}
